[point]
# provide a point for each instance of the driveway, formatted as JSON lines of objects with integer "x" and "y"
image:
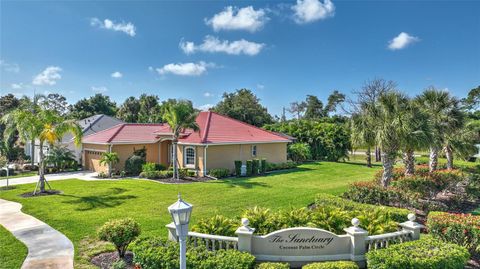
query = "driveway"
{"x": 84, "y": 175}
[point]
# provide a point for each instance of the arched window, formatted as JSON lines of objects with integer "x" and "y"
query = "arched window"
{"x": 189, "y": 154}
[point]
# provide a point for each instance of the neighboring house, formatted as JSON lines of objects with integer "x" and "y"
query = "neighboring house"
{"x": 89, "y": 126}
{"x": 219, "y": 142}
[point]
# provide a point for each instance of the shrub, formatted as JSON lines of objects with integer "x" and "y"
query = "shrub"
{"x": 156, "y": 253}
{"x": 120, "y": 264}
{"x": 263, "y": 166}
{"x": 299, "y": 152}
{"x": 219, "y": 172}
{"x": 281, "y": 166}
{"x": 369, "y": 192}
{"x": 238, "y": 168}
{"x": 149, "y": 167}
{"x": 249, "y": 168}
{"x": 255, "y": 166}
{"x": 157, "y": 174}
{"x": 419, "y": 254}
{"x": 133, "y": 165}
{"x": 273, "y": 265}
{"x": 218, "y": 225}
{"x": 120, "y": 232}
{"x": 461, "y": 229}
{"x": 332, "y": 265}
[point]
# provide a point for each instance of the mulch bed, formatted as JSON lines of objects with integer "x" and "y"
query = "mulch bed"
{"x": 45, "y": 193}
{"x": 105, "y": 260}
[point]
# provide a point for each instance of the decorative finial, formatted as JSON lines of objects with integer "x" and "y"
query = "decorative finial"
{"x": 355, "y": 222}
{"x": 411, "y": 217}
{"x": 245, "y": 222}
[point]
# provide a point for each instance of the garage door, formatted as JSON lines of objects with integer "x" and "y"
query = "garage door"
{"x": 92, "y": 161}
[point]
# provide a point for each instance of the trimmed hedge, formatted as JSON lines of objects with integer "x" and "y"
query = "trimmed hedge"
{"x": 157, "y": 253}
{"x": 280, "y": 166}
{"x": 263, "y": 166}
{"x": 255, "y": 166}
{"x": 332, "y": 265}
{"x": 157, "y": 174}
{"x": 273, "y": 265}
{"x": 461, "y": 229}
{"x": 249, "y": 168}
{"x": 425, "y": 253}
{"x": 238, "y": 168}
{"x": 219, "y": 172}
{"x": 150, "y": 167}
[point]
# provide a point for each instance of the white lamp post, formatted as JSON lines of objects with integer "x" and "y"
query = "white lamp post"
{"x": 181, "y": 212}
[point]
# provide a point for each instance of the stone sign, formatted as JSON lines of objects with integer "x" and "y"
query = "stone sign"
{"x": 301, "y": 244}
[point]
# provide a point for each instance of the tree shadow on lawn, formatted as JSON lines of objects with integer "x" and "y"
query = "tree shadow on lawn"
{"x": 111, "y": 198}
{"x": 361, "y": 164}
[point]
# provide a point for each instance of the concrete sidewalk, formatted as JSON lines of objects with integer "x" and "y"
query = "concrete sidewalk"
{"x": 84, "y": 175}
{"x": 47, "y": 247}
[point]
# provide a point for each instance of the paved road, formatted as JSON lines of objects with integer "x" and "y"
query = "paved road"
{"x": 84, "y": 175}
{"x": 47, "y": 247}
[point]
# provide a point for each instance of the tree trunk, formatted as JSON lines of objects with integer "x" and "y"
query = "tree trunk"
{"x": 377, "y": 155}
{"x": 110, "y": 170}
{"x": 369, "y": 157}
{"x": 449, "y": 155}
{"x": 32, "y": 152}
{"x": 409, "y": 160}
{"x": 175, "y": 164}
{"x": 41, "y": 168}
{"x": 433, "y": 163}
{"x": 388, "y": 162}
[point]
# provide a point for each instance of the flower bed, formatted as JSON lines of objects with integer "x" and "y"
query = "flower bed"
{"x": 461, "y": 229}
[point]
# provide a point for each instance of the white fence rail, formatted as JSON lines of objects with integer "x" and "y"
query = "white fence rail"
{"x": 384, "y": 240}
{"x": 213, "y": 242}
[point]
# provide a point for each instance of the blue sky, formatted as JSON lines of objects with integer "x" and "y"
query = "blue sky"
{"x": 200, "y": 49}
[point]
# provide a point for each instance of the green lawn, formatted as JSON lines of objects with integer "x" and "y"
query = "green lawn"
{"x": 84, "y": 206}
{"x": 12, "y": 251}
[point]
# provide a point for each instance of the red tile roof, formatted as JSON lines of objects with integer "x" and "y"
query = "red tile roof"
{"x": 214, "y": 129}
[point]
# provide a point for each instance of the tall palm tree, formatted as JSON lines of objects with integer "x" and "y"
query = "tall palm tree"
{"x": 362, "y": 133}
{"x": 46, "y": 126}
{"x": 417, "y": 136}
{"x": 179, "y": 116}
{"x": 109, "y": 159}
{"x": 391, "y": 115}
{"x": 444, "y": 117}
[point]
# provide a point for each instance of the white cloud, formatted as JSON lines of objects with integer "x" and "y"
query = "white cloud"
{"x": 185, "y": 69}
{"x": 100, "y": 89}
{"x": 312, "y": 10}
{"x": 127, "y": 28}
{"x": 116, "y": 74}
{"x": 213, "y": 44}
{"x": 16, "y": 86}
{"x": 205, "y": 107}
{"x": 232, "y": 18}
{"x": 49, "y": 76}
{"x": 9, "y": 67}
{"x": 402, "y": 41}
{"x": 260, "y": 86}
{"x": 207, "y": 94}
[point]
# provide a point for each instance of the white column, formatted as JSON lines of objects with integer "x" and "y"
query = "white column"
{"x": 412, "y": 226}
{"x": 245, "y": 234}
{"x": 358, "y": 240}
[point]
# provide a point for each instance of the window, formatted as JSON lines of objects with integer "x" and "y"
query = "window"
{"x": 254, "y": 151}
{"x": 189, "y": 156}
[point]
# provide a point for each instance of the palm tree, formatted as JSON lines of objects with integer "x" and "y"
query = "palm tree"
{"x": 109, "y": 159}
{"x": 46, "y": 126}
{"x": 180, "y": 116}
{"x": 444, "y": 117}
{"x": 417, "y": 136}
{"x": 362, "y": 133}
{"x": 391, "y": 115}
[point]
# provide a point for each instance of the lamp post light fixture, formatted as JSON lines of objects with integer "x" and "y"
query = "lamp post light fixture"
{"x": 181, "y": 212}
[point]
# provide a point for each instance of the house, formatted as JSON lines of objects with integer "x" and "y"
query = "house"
{"x": 219, "y": 142}
{"x": 88, "y": 125}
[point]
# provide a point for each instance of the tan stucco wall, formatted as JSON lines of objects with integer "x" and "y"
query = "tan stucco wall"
{"x": 198, "y": 158}
{"x": 223, "y": 156}
{"x": 125, "y": 151}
